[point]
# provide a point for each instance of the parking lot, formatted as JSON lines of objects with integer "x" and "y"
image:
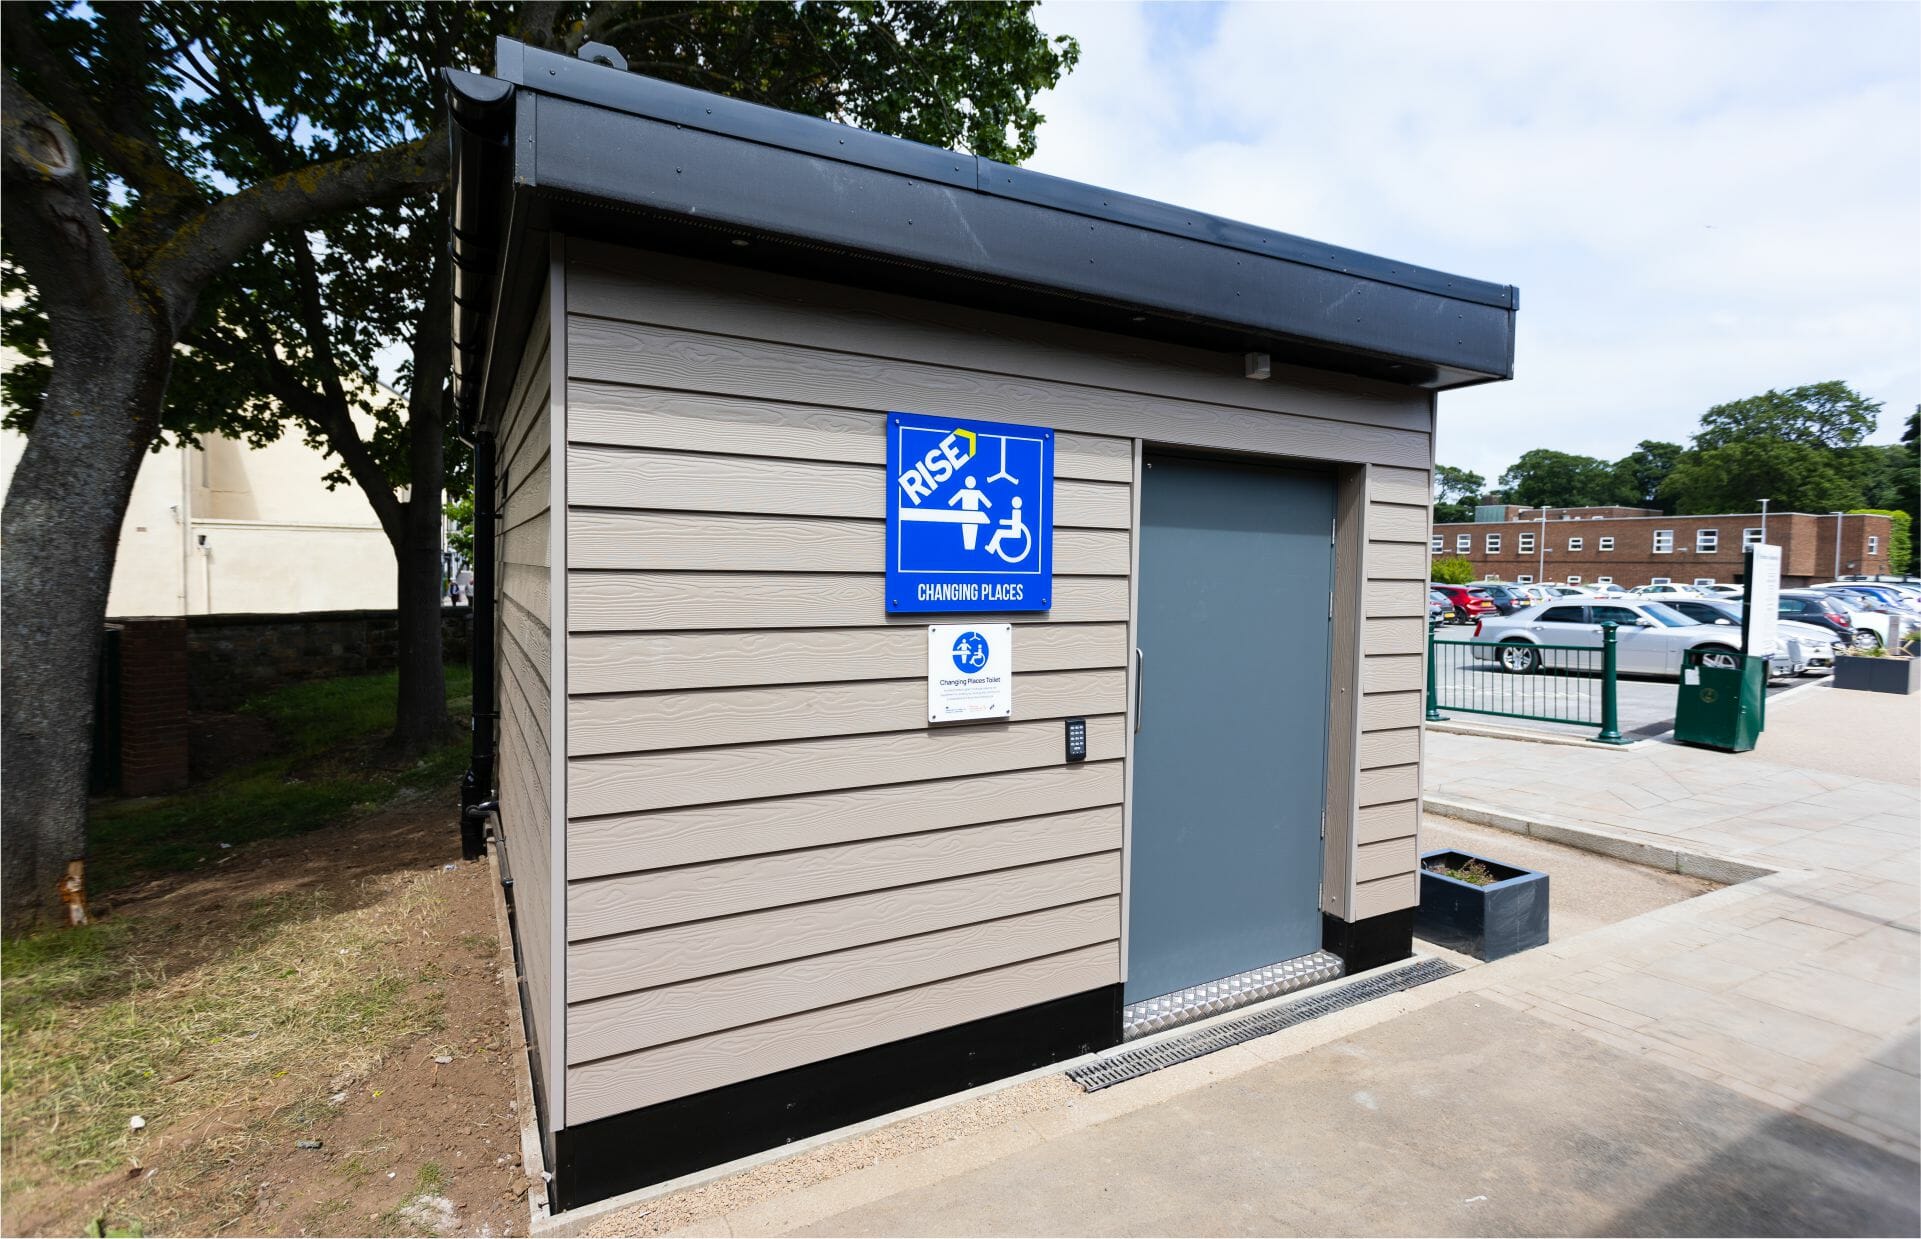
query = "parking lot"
{"x": 1645, "y": 703}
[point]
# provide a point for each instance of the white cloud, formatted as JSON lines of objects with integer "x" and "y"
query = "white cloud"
{"x": 1698, "y": 202}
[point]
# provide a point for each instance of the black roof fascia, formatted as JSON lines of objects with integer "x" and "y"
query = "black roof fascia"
{"x": 602, "y": 150}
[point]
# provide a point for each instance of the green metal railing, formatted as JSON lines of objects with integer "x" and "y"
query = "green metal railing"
{"x": 1574, "y": 684}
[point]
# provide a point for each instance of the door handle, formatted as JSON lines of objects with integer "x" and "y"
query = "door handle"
{"x": 1140, "y": 686}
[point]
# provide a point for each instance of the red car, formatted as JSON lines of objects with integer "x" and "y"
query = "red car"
{"x": 1469, "y": 605}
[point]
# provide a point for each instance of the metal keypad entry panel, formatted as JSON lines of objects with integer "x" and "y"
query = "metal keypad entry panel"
{"x": 1200, "y": 1001}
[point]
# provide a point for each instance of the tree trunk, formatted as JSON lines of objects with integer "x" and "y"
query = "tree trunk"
{"x": 61, "y": 529}
{"x": 421, "y": 714}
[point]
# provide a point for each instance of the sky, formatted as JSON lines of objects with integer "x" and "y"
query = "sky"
{"x": 1698, "y": 202}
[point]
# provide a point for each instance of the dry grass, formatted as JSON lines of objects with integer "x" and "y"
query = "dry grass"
{"x": 272, "y": 1014}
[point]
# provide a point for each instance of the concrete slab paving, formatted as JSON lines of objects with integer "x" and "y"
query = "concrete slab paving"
{"x": 1741, "y": 1062}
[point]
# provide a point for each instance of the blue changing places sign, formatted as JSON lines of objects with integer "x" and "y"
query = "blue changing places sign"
{"x": 970, "y": 515}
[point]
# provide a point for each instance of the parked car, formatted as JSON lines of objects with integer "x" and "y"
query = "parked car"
{"x": 1723, "y": 591}
{"x": 1604, "y": 588}
{"x": 1507, "y": 598}
{"x": 1650, "y": 638}
{"x": 1439, "y": 609}
{"x": 1820, "y": 646}
{"x": 1869, "y": 593}
{"x": 1468, "y": 605}
{"x": 1669, "y": 590}
{"x": 1811, "y": 606}
{"x": 1563, "y": 591}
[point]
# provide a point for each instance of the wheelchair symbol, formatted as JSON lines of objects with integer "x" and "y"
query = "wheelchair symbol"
{"x": 1013, "y": 526}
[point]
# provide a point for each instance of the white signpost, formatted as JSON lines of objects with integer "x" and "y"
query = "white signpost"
{"x": 1761, "y": 617}
{"x": 970, "y": 672}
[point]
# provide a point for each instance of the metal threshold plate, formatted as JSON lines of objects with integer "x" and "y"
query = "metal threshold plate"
{"x": 1242, "y": 989}
{"x": 1126, "y": 1065}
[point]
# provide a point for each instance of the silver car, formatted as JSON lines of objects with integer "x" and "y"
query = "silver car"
{"x": 1650, "y": 638}
{"x": 1813, "y": 646}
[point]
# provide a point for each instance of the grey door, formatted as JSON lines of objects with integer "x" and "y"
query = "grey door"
{"x": 1230, "y": 757}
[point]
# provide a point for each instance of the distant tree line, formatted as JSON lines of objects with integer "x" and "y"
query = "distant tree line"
{"x": 1802, "y": 449}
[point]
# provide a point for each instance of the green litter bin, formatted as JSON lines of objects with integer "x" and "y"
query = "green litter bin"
{"x": 1721, "y": 707}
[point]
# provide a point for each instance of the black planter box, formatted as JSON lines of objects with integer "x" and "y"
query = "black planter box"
{"x": 1489, "y": 922}
{"x": 1878, "y": 675}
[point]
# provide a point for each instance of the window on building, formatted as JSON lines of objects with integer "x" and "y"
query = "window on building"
{"x": 1494, "y": 544}
{"x": 1527, "y": 544}
{"x": 1704, "y": 580}
{"x": 1663, "y": 541}
{"x": 1660, "y": 580}
{"x": 1606, "y": 544}
{"x": 1706, "y": 541}
{"x": 1524, "y": 580}
{"x": 1750, "y": 537}
{"x": 1463, "y": 541}
{"x": 1575, "y": 544}
{"x": 1874, "y": 544}
{"x": 1604, "y": 580}
{"x": 1574, "y": 580}
{"x": 1437, "y": 543}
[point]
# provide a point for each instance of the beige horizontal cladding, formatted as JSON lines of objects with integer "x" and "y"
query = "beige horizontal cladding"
{"x": 1389, "y": 894}
{"x": 614, "y": 477}
{"x": 1393, "y": 523}
{"x": 645, "y": 1077}
{"x": 1409, "y": 487}
{"x": 619, "y": 415}
{"x": 666, "y": 1013}
{"x": 1399, "y": 747}
{"x": 624, "y": 284}
{"x": 1383, "y": 711}
{"x": 1393, "y": 599}
{"x": 601, "y": 906}
{"x": 1394, "y": 636}
{"x": 628, "y": 842}
{"x": 634, "y": 782}
{"x": 681, "y": 601}
{"x": 656, "y": 662}
{"x": 528, "y": 541}
{"x": 599, "y": 538}
{"x": 650, "y": 957}
{"x": 608, "y": 351}
{"x": 1386, "y": 858}
{"x": 1395, "y": 820}
{"x": 652, "y": 721}
{"x": 1390, "y": 673}
{"x": 1390, "y": 783}
{"x": 1398, "y": 562}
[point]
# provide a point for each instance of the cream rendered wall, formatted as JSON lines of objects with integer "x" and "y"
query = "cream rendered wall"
{"x": 276, "y": 539}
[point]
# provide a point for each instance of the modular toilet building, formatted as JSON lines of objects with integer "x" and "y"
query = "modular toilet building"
{"x": 943, "y": 619}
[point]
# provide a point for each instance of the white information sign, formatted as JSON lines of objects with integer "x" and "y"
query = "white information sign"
{"x": 970, "y": 672}
{"x": 1762, "y": 629}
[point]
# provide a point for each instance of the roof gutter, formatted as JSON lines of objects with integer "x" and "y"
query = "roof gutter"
{"x": 480, "y": 128}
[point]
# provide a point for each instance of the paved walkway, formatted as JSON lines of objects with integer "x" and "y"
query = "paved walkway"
{"x": 1740, "y": 1063}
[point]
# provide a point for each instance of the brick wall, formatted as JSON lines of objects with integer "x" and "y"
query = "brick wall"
{"x": 153, "y": 706}
{"x": 233, "y": 657}
{"x": 1806, "y": 541}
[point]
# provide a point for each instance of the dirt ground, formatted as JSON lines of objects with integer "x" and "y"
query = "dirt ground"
{"x": 409, "y": 1128}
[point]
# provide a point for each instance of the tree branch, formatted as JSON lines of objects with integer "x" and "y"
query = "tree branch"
{"x": 58, "y": 236}
{"x": 138, "y": 162}
{"x": 219, "y": 235}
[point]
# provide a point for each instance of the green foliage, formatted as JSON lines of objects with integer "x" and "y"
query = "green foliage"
{"x": 1546, "y": 478}
{"x": 328, "y": 731}
{"x": 1830, "y": 415}
{"x": 1639, "y": 474}
{"x": 1451, "y": 570}
{"x": 1455, "y": 491}
{"x": 1797, "y": 477}
{"x": 1900, "y": 548}
{"x": 460, "y": 525}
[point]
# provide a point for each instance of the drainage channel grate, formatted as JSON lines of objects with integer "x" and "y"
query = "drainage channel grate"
{"x": 1129, "y": 1064}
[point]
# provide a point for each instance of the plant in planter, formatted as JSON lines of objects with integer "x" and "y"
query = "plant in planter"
{"x": 1878, "y": 671}
{"x": 1481, "y": 907}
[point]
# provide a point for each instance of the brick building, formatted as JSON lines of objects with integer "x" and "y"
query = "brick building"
{"x": 1637, "y": 546}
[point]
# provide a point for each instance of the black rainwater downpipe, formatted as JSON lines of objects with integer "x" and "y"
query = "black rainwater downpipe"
{"x": 477, "y": 800}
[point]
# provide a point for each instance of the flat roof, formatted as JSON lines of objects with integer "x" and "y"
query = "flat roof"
{"x": 552, "y": 143}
